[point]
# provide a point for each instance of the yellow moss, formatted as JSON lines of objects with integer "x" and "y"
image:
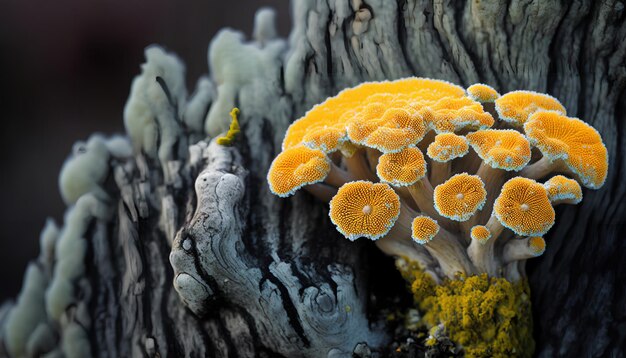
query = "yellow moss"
{"x": 487, "y": 316}
{"x": 228, "y": 139}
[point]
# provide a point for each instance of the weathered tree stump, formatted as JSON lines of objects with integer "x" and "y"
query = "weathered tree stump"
{"x": 176, "y": 247}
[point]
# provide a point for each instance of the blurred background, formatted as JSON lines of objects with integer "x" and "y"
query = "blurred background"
{"x": 65, "y": 72}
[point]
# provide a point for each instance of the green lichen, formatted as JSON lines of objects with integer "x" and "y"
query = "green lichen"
{"x": 227, "y": 140}
{"x": 487, "y": 316}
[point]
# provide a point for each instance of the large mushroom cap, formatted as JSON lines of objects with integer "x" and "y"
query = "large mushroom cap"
{"x": 364, "y": 209}
{"x": 480, "y": 233}
{"x": 447, "y": 146}
{"x": 482, "y": 93}
{"x": 424, "y": 229}
{"x": 296, "y": 167}
{"x": 504, "y": 149}
{"x": 523, "y": 206}
{"x": 391, "y": 94}
{"x": 575, "y": 142}
{"x": 403, "y": 168}
{"x": 560, "y": 187}
{"x": 460, "y": 197}
{"x": 515, "y": 107}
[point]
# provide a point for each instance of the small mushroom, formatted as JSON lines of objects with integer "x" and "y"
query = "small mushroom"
{"x": 460, "y": 197}
{"x": 364, "y": 209}
{"x": 445, "y": 148}
{"x": 563, "y": 190}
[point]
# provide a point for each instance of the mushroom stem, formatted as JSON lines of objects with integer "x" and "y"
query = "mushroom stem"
{"x": 482, "y": 256}
{"x": 321, "y": 191}
{"x": 422, "y": 194}
{"x": 394, "y": 246}
{"x": 358, "y": 166}
{"x": 541, "y": 168}
{"x": 439, "y": 172}
{"x": 450, "y": 254}
{"x": 512, "y": 271}
{"x": 372, "y": 156}
{"x": 338, "y": 177}
{"x": 493, "y": 179}
{"x": 519, "y": 249}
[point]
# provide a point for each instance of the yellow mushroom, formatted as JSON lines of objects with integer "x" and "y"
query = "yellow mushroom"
{"x": 567, "y": 144}
{"x": 445, "y": 148}
{"x": 563, "y": 190}
{"x": 460, "y": 197}
{"x": 515, "y": 107}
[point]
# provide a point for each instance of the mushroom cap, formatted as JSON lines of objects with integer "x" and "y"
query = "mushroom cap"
{"x": 389, "y": 131}
{"x": 451, "y": 114}
{"x": 536, "y": 245}
{"x": 578, "y": 144}
{"x": 560, "y": 187}
{"x": 364, "y": 209}
{"x": 337, "y": 110}
{"x": 523, "y": 206}
{"x": 447, "y": 146}
{"x": 515, "y": 107}
{"x": 296, "y": 167}
{"x": 501, "y": 148}
{"x": 327, "y": 139}
{"x": 403, "y": 168}
{"x": 482, "y": 93}
{"x": 424, "y": 229}
{"x": 459, "y": 197}
{"x": 480, "y": 233}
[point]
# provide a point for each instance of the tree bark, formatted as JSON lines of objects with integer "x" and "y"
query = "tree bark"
{"x": 252, "y": 274}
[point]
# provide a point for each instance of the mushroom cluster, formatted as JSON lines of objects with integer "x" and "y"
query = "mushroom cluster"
{"x": 471, "y": 204}
{"x": 445, "y": 180}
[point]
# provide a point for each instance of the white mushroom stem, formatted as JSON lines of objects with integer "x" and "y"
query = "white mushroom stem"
{"x": 338, "y": 177}
{"x": 493, "y": 179}
{"x": 517, "y": 250}
{"x": 394, "y": 246}
{"x": 482, "y": 255}
{"x": 358, "y": 166}
{"x": 450, "y": 255}
{"x": 439, "y": 172}
{"x": 512, "y": 271}
{"x": 542, "y": 168}
{"x": 372, "y": 156}
{"x": 321, "y": 191}
{"x": 422, "y": 194}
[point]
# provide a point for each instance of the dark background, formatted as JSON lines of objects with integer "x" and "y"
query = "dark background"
{"x": 65, "y": 72}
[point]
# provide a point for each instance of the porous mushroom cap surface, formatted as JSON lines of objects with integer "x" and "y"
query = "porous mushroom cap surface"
{"x": 403, "y": 168}
{"x": 392, "y": 131}
{"x": 447, "y": 146}
{"x": 424, "y": 229}
{"x": 578, "y": 144}
{"x": 482, "y": 93}
{"x": 339, "y": 109}
{"x": 515, "y": 107}
{"x": 501, "y": 148}
{"x": 327, "y": 139}
{"x": 364, "y": 209}
{"x": 523, "y": 206}
{"x": 296, "y": 167}
{"x": 454, "y": 114}
{"x": 460, "y": 197}
{"x": 560, "y": 187}
{"x": 536, "y": 245}
{"x": 480, "y": 233}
